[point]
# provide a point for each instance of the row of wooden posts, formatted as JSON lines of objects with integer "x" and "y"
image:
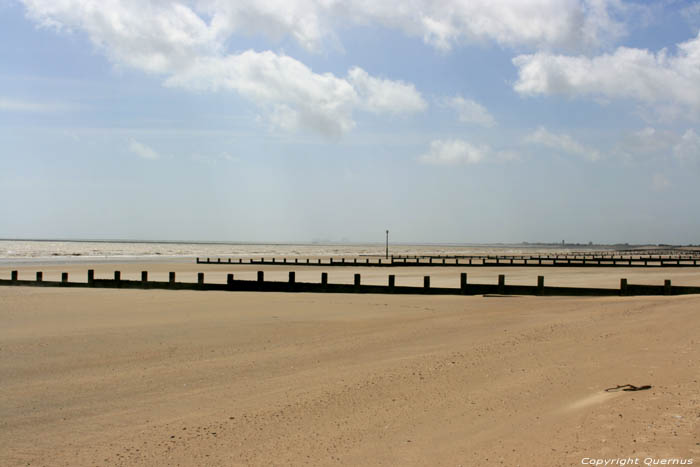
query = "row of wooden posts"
{"x": 291, "y": 285}
{"x": 490, "y": 261}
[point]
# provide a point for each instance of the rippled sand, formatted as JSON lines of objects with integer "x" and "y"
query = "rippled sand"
{"x": 143, "y": 378}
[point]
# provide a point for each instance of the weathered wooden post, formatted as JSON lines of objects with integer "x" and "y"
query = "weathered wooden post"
{"x": 117, "y": 276}
{"x": 261, "y": 276}
{"x": 667, "y": 287}
{"x": 324, "y": 278}
{"x": 144, "y": 276}
{"x": 64, "y": 277}
{"x": 218, "y": 260}
{"x": 623, "y": 286}
{"x": 357, "y": 280}
{"x": 292, "y": 277}
{"x": 91, "y": 277}
{"x": 501, "y": 283}
{"x": 197, "y": 262}
{"x": 200, "y": 278}
{"x": 426, "y": 282}
{"x": 229, "y": 280}
{"x": 463, "y": 282}
{"x": 14, "y": 275}
{"x": 39, "y": 276}
{"x": 171, "y": 278}
{"x": 392, "y": 281}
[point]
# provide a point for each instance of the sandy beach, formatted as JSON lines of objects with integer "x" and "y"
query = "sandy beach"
{"x": 130, "y": 377}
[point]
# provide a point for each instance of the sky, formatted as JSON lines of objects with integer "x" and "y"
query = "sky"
{"x": 443, "y": 121}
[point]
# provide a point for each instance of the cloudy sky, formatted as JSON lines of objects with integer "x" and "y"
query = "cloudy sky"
{"x": 302, "y": 120}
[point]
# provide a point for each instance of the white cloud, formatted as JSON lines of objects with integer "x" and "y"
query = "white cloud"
{"x": 143, "y": 151}
{"x": 659, "y": 182}
{"x": 653, "y": 78}
{"x": 455, "y": 152}
{"x": 532, "y": 23}
{"x": 562, "y": 142}
{"x": 688, "y": 148}
{"x": 174, "y": 40}
{"x": 383, "y": 95}
{"x": 470, "y": 111}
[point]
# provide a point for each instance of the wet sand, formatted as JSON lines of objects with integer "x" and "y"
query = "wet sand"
{"x": 131, "y": 377}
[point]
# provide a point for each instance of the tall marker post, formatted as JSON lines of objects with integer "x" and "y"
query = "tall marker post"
{"x": 387, "y": 244}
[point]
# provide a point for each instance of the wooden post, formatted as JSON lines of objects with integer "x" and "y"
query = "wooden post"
{"x": 171, "y": 278}
{"x": 292, "y": 277}
{"x": 540, "y": 285}
{"x": 229, "y": 279}
{"x": 240, "y": 260}
{"x": 229, "y": 261}
{"x": 357, "y": 280}
{"x": 324, "y": 278}
{"x": 667, "y": 287}
{"x": 144, "y": 276}
{"x": 261, "y": 276}
{"x": 392, "y": 281}
{"x": 117, "y": 276}
{"x": 218, "y": 260}
{"x": 14, "y": 275}
{"x": 64, "y": 277}
{"x": 623, "y": 286}
{"x": 463, "y": 282}
{"x": 200, "y": 278}
{"x": 39, "y": 276}
{"x": 426, "y": 282}
{"x": 91, "y": 277}
{"x": 197, "y": 260}
{"x": 501, "y": 283}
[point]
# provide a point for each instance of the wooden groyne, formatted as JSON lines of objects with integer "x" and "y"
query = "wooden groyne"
{"x": 291, "y": 285}
{"x": 474, "y": 261}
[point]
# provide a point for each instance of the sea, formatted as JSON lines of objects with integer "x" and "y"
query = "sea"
{"x": 76, "y": 251}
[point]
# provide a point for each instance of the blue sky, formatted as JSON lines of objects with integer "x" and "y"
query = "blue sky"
{"x": 442, "y": 121}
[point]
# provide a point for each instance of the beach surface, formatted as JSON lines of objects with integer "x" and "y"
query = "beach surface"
{"x": 134, "y": 377}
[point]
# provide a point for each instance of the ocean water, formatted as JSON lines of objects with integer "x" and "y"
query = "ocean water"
{"x": 77, "y": 251}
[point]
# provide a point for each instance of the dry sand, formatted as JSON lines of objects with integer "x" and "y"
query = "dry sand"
{"x": 131, "y": 377}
